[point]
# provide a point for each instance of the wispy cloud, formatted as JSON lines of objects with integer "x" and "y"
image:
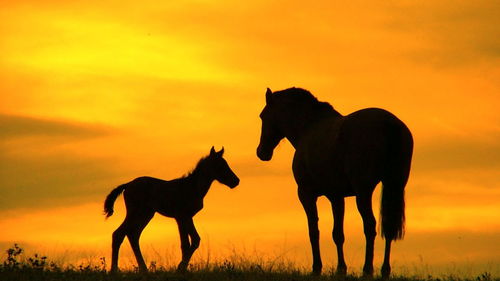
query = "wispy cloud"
{"x": 14, "y": 126}
{"x": 459, "y": 153}
{"x": 50, "y": 181}
{"x": 38, "y": 170}
{"x": 451, "y": 33}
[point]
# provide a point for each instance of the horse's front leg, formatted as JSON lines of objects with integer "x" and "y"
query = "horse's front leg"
{"x": 309, "y": 204}
{"x": 338, "y": 208}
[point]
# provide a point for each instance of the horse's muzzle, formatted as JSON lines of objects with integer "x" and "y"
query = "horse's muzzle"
{"x": 264, "y": 155}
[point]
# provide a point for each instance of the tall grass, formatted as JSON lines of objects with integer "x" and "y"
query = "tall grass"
{"x": 18, "y": 266}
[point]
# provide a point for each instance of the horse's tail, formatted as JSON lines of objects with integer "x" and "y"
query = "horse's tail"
{"x": 111, "y": 198}
{"x": 392, "y": 209}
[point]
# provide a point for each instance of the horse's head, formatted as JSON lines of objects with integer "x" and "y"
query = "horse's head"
{"x": 221, "y": 170}
{"x": 270, "y": 134}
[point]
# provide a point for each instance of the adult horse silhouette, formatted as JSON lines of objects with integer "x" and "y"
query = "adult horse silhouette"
{"x": 180, "y": 199}
{"x": 339, "y": 156}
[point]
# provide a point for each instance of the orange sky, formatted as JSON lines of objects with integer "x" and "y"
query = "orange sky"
{"x": 94, "y": 94}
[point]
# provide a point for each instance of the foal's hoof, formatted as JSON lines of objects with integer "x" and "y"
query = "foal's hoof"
{"x": 182, "y": 267}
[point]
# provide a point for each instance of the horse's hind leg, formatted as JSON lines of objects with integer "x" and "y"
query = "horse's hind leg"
{"x": 386, "y": 267}
{"x": 137, "y": 224}
{"x": 364, "y": 204}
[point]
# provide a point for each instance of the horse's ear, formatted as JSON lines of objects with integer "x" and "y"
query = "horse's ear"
{"x": 269, "y": 96}
{"x": 212, "y": 151}
{"x": 221, "y": 152}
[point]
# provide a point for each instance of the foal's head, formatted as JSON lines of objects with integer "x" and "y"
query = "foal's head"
{"x": 219, "y": 169}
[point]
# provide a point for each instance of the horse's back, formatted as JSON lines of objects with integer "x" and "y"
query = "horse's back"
{"x": 374, "y": 129}
{"x": 344, "y": 151}
{"x": 370, "y": 128}
{"x": 374, "y": 141}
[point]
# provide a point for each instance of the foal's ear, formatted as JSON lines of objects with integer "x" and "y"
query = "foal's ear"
{"x": 269, "y": 96}
{"x": 212, "y": 151}
{"x": 221, "y": 152}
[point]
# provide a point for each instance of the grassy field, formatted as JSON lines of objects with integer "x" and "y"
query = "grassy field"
{"x": 17, "y": 266}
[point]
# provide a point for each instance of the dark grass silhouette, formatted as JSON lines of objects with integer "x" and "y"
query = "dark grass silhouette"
{"x": 17, "y": 266}
{"x": 339, "y": 156}
{"x": 180, "y": 199}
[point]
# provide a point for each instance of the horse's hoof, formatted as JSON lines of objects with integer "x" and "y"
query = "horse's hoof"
{"x": 143, "y": 270}
{"x": 316, "y": 271}
{"x": 114, "y": 270}
{"x": 341, "y": 271}
{"x": 386, "y": 271}
{"x": 367, "y": 276}
{"x": 368, "y": 271}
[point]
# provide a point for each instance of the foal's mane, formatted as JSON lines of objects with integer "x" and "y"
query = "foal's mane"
{"x": 202, "y": 162}
{"x": 304, "y": 97}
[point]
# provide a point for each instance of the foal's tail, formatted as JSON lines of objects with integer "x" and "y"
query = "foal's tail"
{"x": 111, "y": 198}
{"x": 392, "y": 209}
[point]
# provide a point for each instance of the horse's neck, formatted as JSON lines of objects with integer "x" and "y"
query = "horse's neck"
{"x": 299, "y": 128}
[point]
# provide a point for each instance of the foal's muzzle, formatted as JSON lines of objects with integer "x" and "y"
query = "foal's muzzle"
{"x": 234, "y": 182}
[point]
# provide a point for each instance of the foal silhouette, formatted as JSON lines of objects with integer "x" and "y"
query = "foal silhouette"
{"x": 339, "y": 156}
{"x": 180, "y": 199}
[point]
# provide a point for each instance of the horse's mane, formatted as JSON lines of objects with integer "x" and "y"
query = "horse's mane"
{"x": 304, "y": 97}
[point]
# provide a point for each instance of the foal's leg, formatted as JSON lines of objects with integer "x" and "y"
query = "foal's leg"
{"x": 338, "y": 207}
{"x": 187, "y": 232}
{"x": 184, "y": 228}
{"x": 118, "y": 236}
{"x": 193, "y": 234}
{"x": 364, "y": 204}
{"x": 137, "y": 224}
{"x": 309, "y": 204}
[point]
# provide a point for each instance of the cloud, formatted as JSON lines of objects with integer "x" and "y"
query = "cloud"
{"x": 14, "y": 126}
{"x": 458, "y": 153}
{"x": 38, "y": 167}
{"x": 451, "y": 33}
{"x": 54, "y": 180}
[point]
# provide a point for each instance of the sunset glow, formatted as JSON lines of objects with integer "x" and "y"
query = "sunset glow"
{"x": 95, "y": 94}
